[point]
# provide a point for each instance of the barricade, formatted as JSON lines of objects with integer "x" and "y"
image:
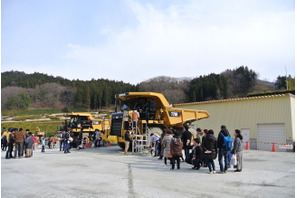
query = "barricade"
{"x": 273, "y": 148}
{"x": 274, "y": 145}
{"x": 247, "y": 145}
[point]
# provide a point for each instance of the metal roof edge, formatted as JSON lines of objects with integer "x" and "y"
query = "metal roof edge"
{"x": 235, "y": 99}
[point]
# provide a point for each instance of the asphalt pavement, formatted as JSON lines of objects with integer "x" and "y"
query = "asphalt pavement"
{"x": 106, "y": 172}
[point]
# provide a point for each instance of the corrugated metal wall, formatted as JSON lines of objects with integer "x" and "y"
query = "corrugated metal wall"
{"x": 247, "y": 113}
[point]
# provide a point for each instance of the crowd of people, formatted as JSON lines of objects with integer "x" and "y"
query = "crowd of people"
{"x": 200, "y": 151}
{"x": 18, "y": 143}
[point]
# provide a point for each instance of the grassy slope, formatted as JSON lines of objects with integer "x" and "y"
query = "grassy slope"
{"x": 50, "y": 127}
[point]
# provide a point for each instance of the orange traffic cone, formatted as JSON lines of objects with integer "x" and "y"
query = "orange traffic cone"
{"x": 273, "y": 148}
{"x": 247, "y": 145}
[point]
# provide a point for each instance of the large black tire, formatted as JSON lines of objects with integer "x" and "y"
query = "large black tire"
{"x": 122, "y": 144}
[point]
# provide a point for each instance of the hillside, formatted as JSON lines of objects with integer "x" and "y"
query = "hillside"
{"x": 21, "y": 91}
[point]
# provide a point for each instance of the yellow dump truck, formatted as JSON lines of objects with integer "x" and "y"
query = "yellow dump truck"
{"x": 76, "y": 122}
{"x": 39, "y": 133}
{"x": 155, "y": 114}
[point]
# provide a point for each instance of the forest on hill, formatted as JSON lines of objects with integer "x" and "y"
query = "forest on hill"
{"x": 22, "y": 91}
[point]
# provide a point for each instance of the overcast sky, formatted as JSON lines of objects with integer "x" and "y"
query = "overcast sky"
{"x": 135, "y": 40}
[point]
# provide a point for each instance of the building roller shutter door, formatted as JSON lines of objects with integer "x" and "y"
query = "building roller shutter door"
{"x": 270, "y": 133}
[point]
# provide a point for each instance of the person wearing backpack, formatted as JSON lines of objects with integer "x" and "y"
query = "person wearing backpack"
{"x": 224, "y": 145}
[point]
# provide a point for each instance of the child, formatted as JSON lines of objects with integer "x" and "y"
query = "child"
{"x": 197, "y": 154}
{"x": 43, "y": 144}
{"x": 84, "y": 142}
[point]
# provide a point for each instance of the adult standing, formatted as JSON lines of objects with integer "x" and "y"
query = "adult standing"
{"x": 95, "y": 138}
{"x": 209, "y": 146}
{"x": 62, "y": 141}
{"x": 186, "y": 139}
{"x": 19, "y": 142}
{"x": 98, "y": 139}
{"x": 67, "y": 142}
{"x": 222, "y": 152}
{"x": 35, "y": 145}
{"x": 127, "y": 141}
{"x": 237, "y": 148}
{"x": 79, "y": 139}
{"x": 199, "y": 133}
{"x": 161, "y": 148}
{"x": 205, "y": 131}
{"x": 29, "y": 144}
{"x": 11, "y": 142}
{"x": 166, "y": 144}
{"x": 176, "y": 146}
{"x": 135, "y": 117}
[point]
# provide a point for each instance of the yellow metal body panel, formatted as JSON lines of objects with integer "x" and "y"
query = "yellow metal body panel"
{"x": 164, "y": 115}
{"x": 159, "y": 98}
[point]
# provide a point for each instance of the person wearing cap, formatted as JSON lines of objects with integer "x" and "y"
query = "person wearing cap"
{"x": 19, "y": 140}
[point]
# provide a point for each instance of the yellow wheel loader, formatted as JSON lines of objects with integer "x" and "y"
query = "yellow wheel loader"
{"x": 86, "y": 123}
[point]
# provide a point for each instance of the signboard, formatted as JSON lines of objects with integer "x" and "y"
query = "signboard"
{"x": 284, "y": 146}
{"x": 96, "y": 122}
{"x": 174, "y": 113}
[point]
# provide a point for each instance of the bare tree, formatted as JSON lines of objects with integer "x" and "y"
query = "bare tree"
{"x": 9, "y": 92}
{"x": 174, "y": 89}
{"x": 54, "y": 95}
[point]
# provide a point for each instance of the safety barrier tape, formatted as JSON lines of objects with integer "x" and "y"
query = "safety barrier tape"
{"x": 269, "y": 143}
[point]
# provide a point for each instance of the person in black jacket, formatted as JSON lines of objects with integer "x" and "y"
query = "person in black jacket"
{"x": 67, "y": 142}
{"x": 223, "y": 153}
{"x": 196, "y": 154}
{"x": 11, "y": 142}
{"x": 127, "y": 141}
{"x": 186, "y": 139}
{"x": 209, "y": 146}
